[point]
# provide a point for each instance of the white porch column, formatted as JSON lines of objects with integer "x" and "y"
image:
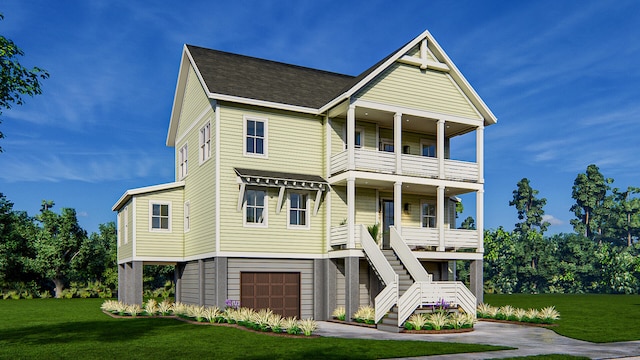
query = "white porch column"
{"x": 327, "y": 143}
{"x": 480, "y": 220}
{"x": 397, "y": 206}
{"x": 351, "y": 212}
{"x": 397, "y": 141}
{"x": 480, "y": 153}
{"x": 351, "y": 137}
{"x": 440, "y": 148}
{"x": 440, "y": 217}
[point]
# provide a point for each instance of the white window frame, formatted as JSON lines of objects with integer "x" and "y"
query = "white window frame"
{"x": 429, "y": 142}
{"x": 204, "y": 139}
{"x": 307, "y": 210}
{"x": 359, "y": 130}
{"x": 183, "y": 162}
{"x": 126, "y": 224}
{"x": 187, "y": 216}
{"x": 168, "y": 203}
{"x": 265, "y": 210}
{"x": 383, "y": 142}
{"x": 423, "y": 215}
{"x": 265, "y": 144}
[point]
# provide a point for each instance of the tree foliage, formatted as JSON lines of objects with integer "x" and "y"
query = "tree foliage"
{"x": 530, "y": 208}
{"x": 15, "y": 79}
{"x": 590, "y": 192}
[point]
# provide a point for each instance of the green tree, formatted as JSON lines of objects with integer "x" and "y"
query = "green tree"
{"x": 530, "y": 208}
{"x": 15, "y": 79}
{"x": 469, "y": 223}
{"x": 96, "y": 259}
{"x": 590, "y": 192}
{"x": 500, "y": 270}
{"x": 57, "y": 243}
{"x": 14, "y": 246}
{"x": 627, "y": 209}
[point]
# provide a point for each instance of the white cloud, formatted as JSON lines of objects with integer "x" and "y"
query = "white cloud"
{"x": 552, "y": 220}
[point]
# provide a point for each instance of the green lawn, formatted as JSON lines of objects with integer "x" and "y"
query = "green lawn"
{"x": 591, "y": 317}
{"x": 76, "y": 328}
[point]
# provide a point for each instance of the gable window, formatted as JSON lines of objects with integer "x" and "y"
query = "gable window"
{"x": 298, "y": 210}
{"x": 182, "y": 162}
{"x": 428, "y": 148}
{"x": 160, "y": 215}
{"x": 255, "y": 208}
{"x": 255, "y": 137}
{"x": 187, "y": 216}
{"x": 205, "y": 142}
{"x": 428, "y": 215}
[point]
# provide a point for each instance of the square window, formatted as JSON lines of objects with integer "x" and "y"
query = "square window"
{"x": 255, "y": 137}
{"x": 428, "y": 215}
{"x": 428, "y": 148}
{"x": 182, "y": 162}
{"x": 160, "y": 214}
{"x": 255, "y": 207}
{"x": 298, "y": 210}
{"x": 205, "y": 142}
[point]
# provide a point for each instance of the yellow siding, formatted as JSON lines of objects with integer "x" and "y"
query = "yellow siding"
{"x": 338, "y": 205}
{"x": 409, "y": 86}
{"x": 125, "y": 250}
{"x": 337, "y": 135}
{"x": 195, "y": 100}
{"x": 366, "y": 206}
{"x": 160, "y": 243}
{"x": 294, "y": 144}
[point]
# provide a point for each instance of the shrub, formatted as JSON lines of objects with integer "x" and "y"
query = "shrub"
{"x": 308, "y": 326}
{"x": 179, "y": 308}
{"x": 365, "y": 314}
{"x": 549, "y": 314}
{"x": 437, "y": 320}
{"x": 291, "y": 325}
{"x": 133, "y": 310}
{"x": 151, "y": 307}
{"x": 461, "y": 320}
{"x": 211, "y": 314}
{"x": 506, "y": 312}
{"x": 339, "y": 313}
{"x": 417, "y": 321}
{"x": 165, "y": 307}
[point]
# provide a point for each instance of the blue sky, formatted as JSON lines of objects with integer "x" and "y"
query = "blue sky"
{"x": 561, "y": 76}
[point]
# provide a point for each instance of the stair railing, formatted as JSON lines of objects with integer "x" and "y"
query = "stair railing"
{"x": 388, "y": 297}
{"x": 410, "y": 262}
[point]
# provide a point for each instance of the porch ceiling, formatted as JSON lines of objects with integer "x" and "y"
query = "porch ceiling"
{"x": 407, "y": 188}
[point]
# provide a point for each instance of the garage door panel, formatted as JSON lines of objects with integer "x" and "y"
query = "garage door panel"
{"x": 277, "y": 291}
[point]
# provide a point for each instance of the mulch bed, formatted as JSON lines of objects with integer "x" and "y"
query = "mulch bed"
{"x": 517, "y": 323}
{"x": 193, "y": 322}
{"x": 352, "y": 323}
{"x": 444, "y": 331}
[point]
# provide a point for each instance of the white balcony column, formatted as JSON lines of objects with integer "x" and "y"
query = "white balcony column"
{"x": 397, "y": 206}
{"x": 480, "y": 152}
{"x": 480, "y": 220}
{"x": 351, "y": 138}
{"x": 351, "y": 213}
{"x": 440, "y": 148}
{"x": 327, "y": 143}
{"x": 440, "y": 217}
{"x": 397, "y": 141}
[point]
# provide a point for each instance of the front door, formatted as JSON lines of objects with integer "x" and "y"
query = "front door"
{"x": 387, "y": 220}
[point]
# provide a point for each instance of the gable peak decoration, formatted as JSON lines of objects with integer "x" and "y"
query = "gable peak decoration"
{"x": 424, "y": 61}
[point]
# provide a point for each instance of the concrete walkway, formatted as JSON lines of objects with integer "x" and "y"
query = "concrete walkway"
{"x": 527, "y": 339}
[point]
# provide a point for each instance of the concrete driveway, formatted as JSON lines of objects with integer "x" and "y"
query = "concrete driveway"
{"x": 528, "y": 340}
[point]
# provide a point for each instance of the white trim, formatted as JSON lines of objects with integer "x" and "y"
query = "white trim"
{"x": 345, "y": 253}
{"x": 135, "y": 226}
{"x": 125, "y": 260}
{"x": 358, "y": 129}
{"x": 187, "y": 216}
{"x": 386, "y": 141}
{"x": 183, "y": 161}
{"x": 202, "y": 115}
{"x": 307, "y": 211}
{"x": 263, "y": 103}
{"x": 424, "y": 63}
{"x": 217, "y": 180}
{"x": 327, "y": 154}
{"x": 417, "y": 112}
{"x": 447, "y": 255}
{"x": 265, "y": 145}
{"x": 422, "y": 215}
{"x": 204, "y": 155}
{"x": 143, "y": 190}
{"x": 327, "y": 219}
{"x": 316, "y": 204}
{"x": 337, "y": 254}
{"x": 118, "y": 231}
{"x": 280, "y": 199}
{"x": 265, "y": 210}
{"x": 405, "y": 179}
{"x": 169, "y": 213}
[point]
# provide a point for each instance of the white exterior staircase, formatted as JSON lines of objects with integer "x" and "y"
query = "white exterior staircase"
{"x": 408, "y": 286}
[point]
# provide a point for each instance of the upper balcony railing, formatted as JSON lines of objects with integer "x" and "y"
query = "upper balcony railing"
{"x": 414, "y": 165}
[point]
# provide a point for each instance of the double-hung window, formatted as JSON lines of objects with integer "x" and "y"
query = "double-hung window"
{"x": 160, "y": 216}
{"x": 182, "y": 162}
{"x": 428, "y": 215}
{"x": 187, "y": 216}
{"x": 255, "y": 213}
{"x": 255, "y": 137}
{"x": 298, "y": 210}
{"x": 205, "y": 142}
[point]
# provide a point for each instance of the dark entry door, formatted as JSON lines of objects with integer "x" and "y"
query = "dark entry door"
{"x": 387, "y": 220}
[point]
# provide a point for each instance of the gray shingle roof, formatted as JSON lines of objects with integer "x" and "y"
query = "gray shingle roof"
{"x": 248, "y": 77}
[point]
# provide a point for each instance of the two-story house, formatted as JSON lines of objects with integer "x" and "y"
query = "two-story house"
{"x": 281, "y": 170}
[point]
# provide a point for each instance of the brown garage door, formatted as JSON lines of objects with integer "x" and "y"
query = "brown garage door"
{"x": 278, "y": 291}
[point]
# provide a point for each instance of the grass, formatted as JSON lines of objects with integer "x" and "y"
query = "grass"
{"x": 596, "y": 318}
{"x": 76, "y": 328}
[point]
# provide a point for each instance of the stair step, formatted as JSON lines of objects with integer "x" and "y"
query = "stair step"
{"x": 389, "y": 328}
